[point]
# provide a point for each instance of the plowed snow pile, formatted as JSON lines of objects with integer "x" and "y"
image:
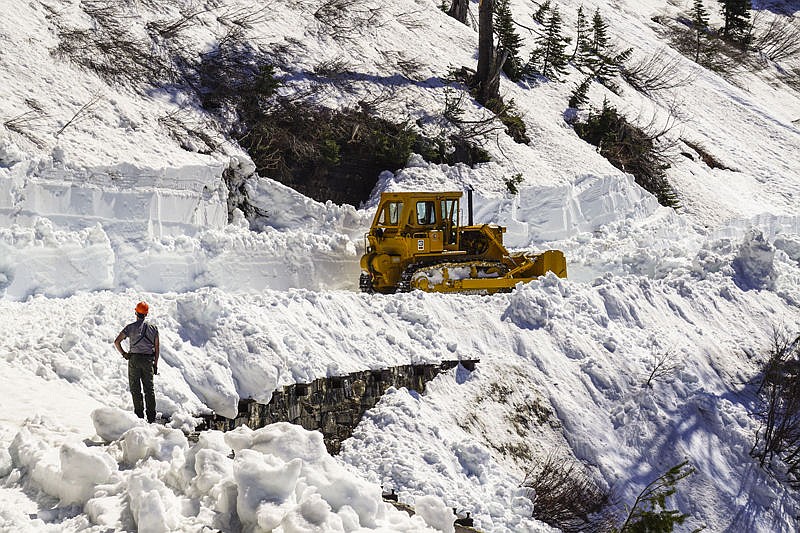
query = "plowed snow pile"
{"x": 101, "y": 206}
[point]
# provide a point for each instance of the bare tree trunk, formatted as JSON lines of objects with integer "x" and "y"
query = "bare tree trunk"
{"x": 458, "y": 10}
{"x": 487, "y": 79}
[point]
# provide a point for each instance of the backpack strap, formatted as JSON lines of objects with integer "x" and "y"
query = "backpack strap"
{"x": 143, "y": 334}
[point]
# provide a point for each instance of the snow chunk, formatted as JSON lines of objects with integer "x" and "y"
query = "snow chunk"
{"x": 10, "y": 154}
{"x": 153, "y": 505}
{"x": 6, "y": 465}
{"x": 268, "y": 480}
{"x": 68, "y": 470}
{"x": 82, "y": 469}
{"x": 152, "y": 440}
{"x": 754, "y": 263}
{"x": 473, "y": 458}
{"x": 789, "y": 244}
{"x": 435, "y": 513}
{"x": 110, "y": 423}
{"x": 274, "y": 466}
{"x": 43, "y": 260}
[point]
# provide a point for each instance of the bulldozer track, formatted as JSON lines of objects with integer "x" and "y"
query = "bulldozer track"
{"x": 365, "y": 283}
{"x": 404, "y": 285}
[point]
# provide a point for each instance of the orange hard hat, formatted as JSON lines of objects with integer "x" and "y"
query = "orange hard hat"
{"x": 142, "y": 308}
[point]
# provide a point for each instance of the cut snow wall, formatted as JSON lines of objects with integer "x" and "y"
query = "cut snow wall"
{"x": 131, "y": 200}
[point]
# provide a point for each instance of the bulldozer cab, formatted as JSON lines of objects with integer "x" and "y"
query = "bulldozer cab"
{"x": 430, "y": 220}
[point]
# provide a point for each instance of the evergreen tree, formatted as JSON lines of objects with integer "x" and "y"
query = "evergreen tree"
{"x": 599, "y": 40}
{"x": 700, "y": 23}
{"x": 580, "y": 55}
{"x": 549, "y": 58}
{"x": 602, "y": 59}
{"x": 580, "y": 96}
{"x": 541, "y": 13}
{"x": 649, "y": 513}
{"x": 737, "y": 19}
{"x": 509, "y": 40}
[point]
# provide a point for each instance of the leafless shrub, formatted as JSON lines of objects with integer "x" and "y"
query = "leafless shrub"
{"x": 333, "y": 67}
{"x": 410, "y": 67}
{"x": 81, "y": 114}
{"x": 777, "y": 39}
{"x": 657, "y": 72}
{"x": 398, "y": 61}
{"x": 170, "y": 29}
{"x": 245, "y": 17}
{"x": 639, "y": 147}
{"x": 191, "y": 133}
{"x": 662, "y": 367}
{"x": 706, "y": 156}
{"x": 113, "y": 53}
{"x": 564, "y": 496}
{"x": 715, "y": 54}
{"x": 107, "y": 14}
{"x": 792, "y": 79}
{"x": 453, "y": 112}
{"x": 24, "y": 122}
{"x": 413, "y": 20}
{"x": 779, "y": 409}
{"x": 346, "y": 19}
{"x": 27, "y": 123}
{"x": 234, "y": 78}
{"x": 119, "y": 55}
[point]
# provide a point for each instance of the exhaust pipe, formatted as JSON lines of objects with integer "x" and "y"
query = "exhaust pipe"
{"x": 469, "y": 204}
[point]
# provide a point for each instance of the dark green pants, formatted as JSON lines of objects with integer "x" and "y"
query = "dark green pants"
{"x": 140, "y": 376}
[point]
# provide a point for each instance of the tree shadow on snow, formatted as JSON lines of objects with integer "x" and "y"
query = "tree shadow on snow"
{"x": 701, "y": 430}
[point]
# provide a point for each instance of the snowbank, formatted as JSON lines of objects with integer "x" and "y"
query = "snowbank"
{"x": 152, "y": 479}
{"x": 39, "y": 259}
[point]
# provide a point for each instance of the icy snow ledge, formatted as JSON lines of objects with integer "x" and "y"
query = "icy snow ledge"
{"x": 278, "y": 478}
{"x": 43, "y": 260}
{"x": 157, "y": 201}
{"x": 586, "y": 204}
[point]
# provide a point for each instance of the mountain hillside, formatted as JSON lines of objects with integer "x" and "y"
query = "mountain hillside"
{"x": 187, "y": 153}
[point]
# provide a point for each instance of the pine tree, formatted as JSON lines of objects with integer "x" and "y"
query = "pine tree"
{"x": 509, "y": 40}
{"x": 549, "y": 58}
{"x": 649, "y": 513}
{"x": 580, "y": 53}
{"x": 737, "y": 19}
{"x": 700, "y": 23}
{"x": 602, "y": 59}
{"x": 580, "y": 96}
{"x": 541, "y": 13}
{"x": 599, "y": 41}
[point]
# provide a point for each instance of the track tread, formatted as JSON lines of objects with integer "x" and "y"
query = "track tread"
{"x": 404, "y": 285}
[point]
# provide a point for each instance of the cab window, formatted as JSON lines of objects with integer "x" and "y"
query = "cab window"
{"x": 426, "y": 213}
{"x": 450, "y": 211}
{"x": 390, "y": 214}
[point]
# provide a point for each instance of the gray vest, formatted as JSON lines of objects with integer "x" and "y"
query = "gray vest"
{"x": 142, "y": 336}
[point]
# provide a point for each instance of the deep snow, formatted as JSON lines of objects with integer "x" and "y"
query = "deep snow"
{"x": 112, "y": 210}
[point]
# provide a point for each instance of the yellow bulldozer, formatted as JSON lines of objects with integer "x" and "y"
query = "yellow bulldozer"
{"x": 416, "y": 241}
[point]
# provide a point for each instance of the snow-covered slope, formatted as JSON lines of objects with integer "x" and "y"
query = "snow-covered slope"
{"x": 100, "y": 207}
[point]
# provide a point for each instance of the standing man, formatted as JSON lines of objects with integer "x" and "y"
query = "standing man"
{"x": 142, "y": 357}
